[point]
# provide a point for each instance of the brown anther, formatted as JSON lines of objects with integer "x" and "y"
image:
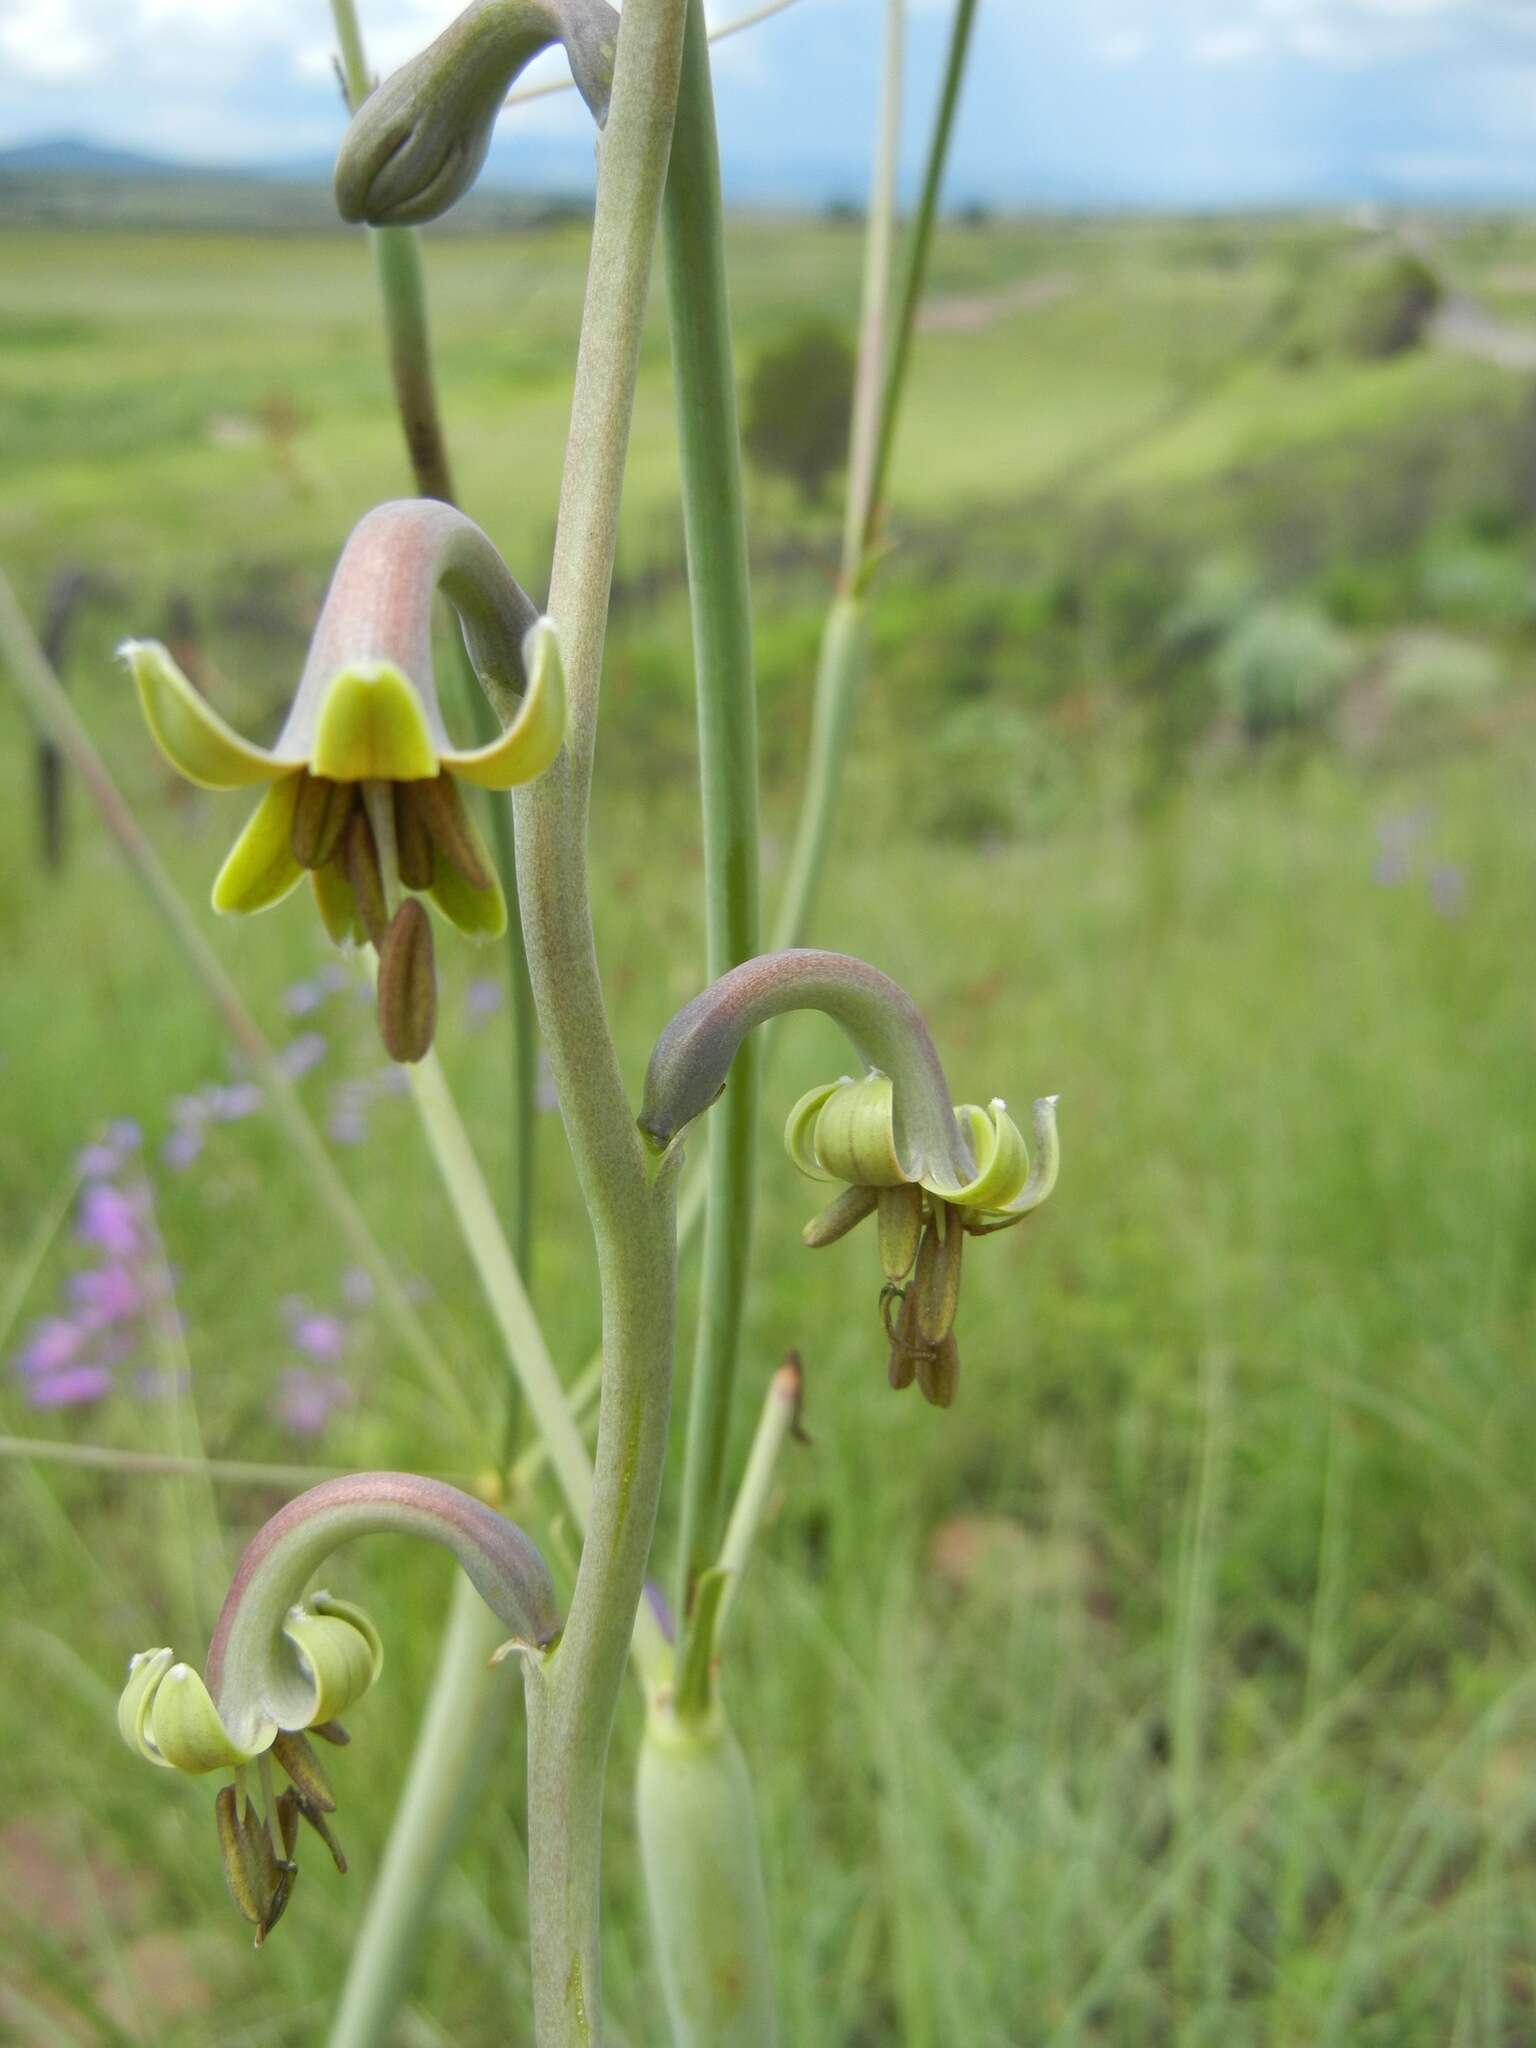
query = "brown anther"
{"x": 282, "y": 1892}
{"x": 319, "y": 817}
{"x": 901, "y": 1225}
{"x": 443, "y": 813}
{"x": 839, "y": 1217}
{"x": 298, "y": 1759}
{"x": 413, "y": 842}
{"x": 317, "y": 1821}
{"x": 936, "y": 1282}
{"x": 899, "y": 1317}
{"x": 938, "y": 1372}
{"x": 288, "y": 1822}
{"x": 242, "y": 1869}
{"x": 407, "y": 995}
{"x": 360, "y": 864}
{"x": 331, "y": 1731}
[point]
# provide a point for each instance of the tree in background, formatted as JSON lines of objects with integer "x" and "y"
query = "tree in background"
{"x": 799, "y": 402}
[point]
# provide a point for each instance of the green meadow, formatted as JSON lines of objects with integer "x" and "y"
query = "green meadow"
{"x": 1178, "y": 1686}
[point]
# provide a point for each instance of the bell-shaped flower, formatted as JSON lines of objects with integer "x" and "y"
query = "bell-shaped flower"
{"x": 168, "y": 1715}
{"x": 845, "y": 1131}
{"x": 281, "y": 1666}
{"x": 362, "y": 784}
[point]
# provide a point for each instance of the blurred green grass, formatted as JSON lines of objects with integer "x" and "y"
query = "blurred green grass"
{"x": 1175, "y": 1686}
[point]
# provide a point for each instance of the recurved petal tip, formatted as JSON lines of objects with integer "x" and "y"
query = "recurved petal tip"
{"x": 537, "y": 734}
{"x": 186, "y": 728}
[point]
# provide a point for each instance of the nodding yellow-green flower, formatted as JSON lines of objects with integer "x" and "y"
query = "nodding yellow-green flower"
{"x": 362, "y": 784}
{"x": 282, "y": 1666}
{"x": 845, "y": 1131}
{"x": 168, "y": 1715}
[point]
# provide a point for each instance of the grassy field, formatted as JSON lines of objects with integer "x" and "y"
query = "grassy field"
{"x": 1176, "y": 1686}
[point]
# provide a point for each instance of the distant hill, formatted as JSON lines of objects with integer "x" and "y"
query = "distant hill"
{"x": 69, "y": 153}
{"x": 68, "y": 182}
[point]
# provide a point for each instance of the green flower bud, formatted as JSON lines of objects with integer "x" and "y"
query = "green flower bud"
{"x": 417, "y": 143}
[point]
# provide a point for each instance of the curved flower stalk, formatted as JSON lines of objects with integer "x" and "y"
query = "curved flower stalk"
{"x": 693, "y": 1055}
{"x": 845, "y": 1131}
{"x": 934, "y": 1172}
{"x": 362, "y": 782}
{"x": 282, "y": 1664}
{"x": 417, "y": 143}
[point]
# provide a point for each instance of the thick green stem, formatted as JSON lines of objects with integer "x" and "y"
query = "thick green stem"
{"x": 469, "y": 1703}
{"x": 917, "y": 263}
{"x": 571, "y": 1700}
{"x": 869, "y": 378}
{"x": 721, "y": 605}
{"x": 403, "y": 299}
{"x": 839, "y": 672}
{"x": 41, "y": 691}
{"x": 465, "y": 1717}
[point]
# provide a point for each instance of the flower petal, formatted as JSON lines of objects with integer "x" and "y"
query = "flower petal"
{"x": 261, "y": 869}
{"x": 537, "y": 733}
{"x": 185, "y": 1729}
{"x": 339, "y": 1651}
{"x": 854, "y": 1138}
{"x": 372, "y": 726}
{"x": 187, "y": 729}
{"x": 145, "y": 1672}
{"x": 800, "y": 1127}
{"x": 337, "y": 905}
{"x": 477, "y": 913}
{"x": 1007, "y": 1185}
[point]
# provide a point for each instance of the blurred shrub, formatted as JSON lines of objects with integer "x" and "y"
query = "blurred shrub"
{"x": 1374, "y": 307}
{"x": 1281, "y": 668}
{"x": 1221, "y": 590}
{"x": 1441, "y": 670}
{"x": 1394, "y": 298}
{"x": 993, "y": 772}
{"x": 798, "y": 406}
{"x": 1360, "y": 594}
{"x": 1475, "y": 585}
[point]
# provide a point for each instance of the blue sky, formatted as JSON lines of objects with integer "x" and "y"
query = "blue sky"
{"x": 1096, "y": 102}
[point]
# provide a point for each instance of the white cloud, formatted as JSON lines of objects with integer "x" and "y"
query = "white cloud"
{"x": 50, "y": 40}
{"x": 1237, "y": 42}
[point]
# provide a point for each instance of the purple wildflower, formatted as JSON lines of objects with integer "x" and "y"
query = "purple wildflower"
{"x": 302, "y": 998}
{"x": 98, "y": 1162}
{"x": 232, "y": 1104}
{"x": 307, "y": 1400}
{"x": 71, "y": 1388}
{"x": 182, "y": 1147}
{"x": 107, "y": 1294}
{"x": 51, "y": 1345}
{"x": 321, "y": 1337}
{"x": 301, "y": 1053}
{"x": 110, "y": 1220}
{"x": 483, "y": 998}
{"x": 347, "y": 1124}
{"x": 661, "y": 1607}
